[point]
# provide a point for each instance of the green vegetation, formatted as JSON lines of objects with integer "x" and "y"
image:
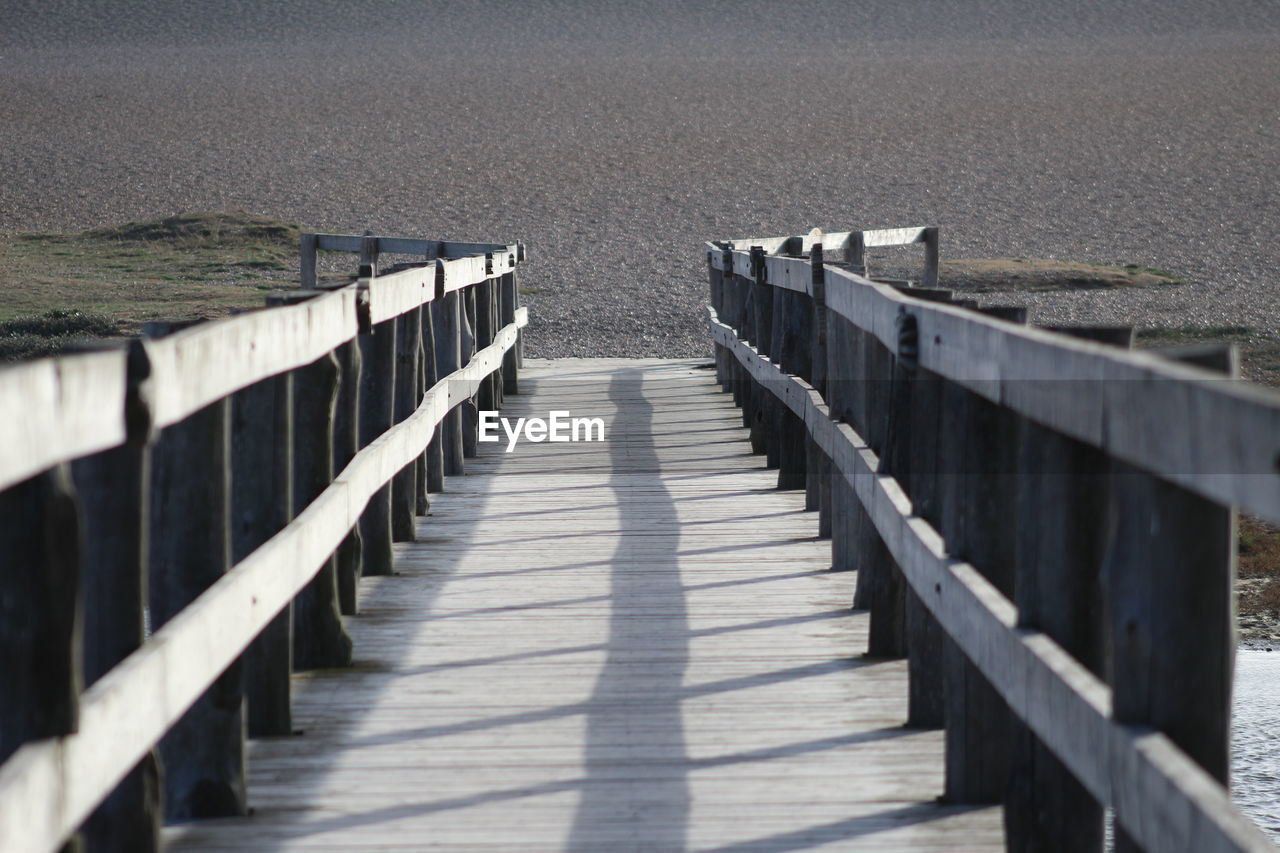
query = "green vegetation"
{"x": 113, "y": 279}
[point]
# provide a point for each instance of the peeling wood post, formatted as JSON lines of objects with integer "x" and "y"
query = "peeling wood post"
{"x": 403, "y": 487}
{"x": 346, "y": 443}
{"x": 203, "y": 753}
{"x": 1063, "y": 493}
{"x": 470, "y": 413}
{"x": 113, "y": 489}
{"x": 1171, "y": 564}
{"x": 261, "y": 505}
{"x": 307, "y": 261}
{"x": 508, "y": 301}
{"x": 319, "y": 636}
{"x": 434, "y": 454}
{"x": 446, "y": 315}
{"x": 377, "y": 410}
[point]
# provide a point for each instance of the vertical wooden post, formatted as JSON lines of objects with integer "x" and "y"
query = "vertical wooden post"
{"x": 930, "y": 278}
{"x": 855, "y": 254}
{"x": 203, "y": 753}
{"x": 507, "y": 302}
{"x": 403, "y": 497}
{"x": 789, "y": 350}
{"x": 307, "y": 261}
{"x": 767, "y": 407}
{"x": 977, "y": 449}
{"x": 469, "y": 410}
{"x": 421, "y": 497}
{"x": 346, "y": 443}
{"x": 261, "y": 505}
{"x": 319, "y": 637}
{"x": 40, "y": 622}
{"x": 377, "y": 410}
{"x": 1063, "y": 493}
{"x": 486, "y": 396}
{"x": 1171, "y": 564}
{"x": 910, "y": 455}
{"x": 113, "y": 489}
{"x": 431, "y": 375}
{"x": 818, "y": 360}
{"x": 447, "y": 317}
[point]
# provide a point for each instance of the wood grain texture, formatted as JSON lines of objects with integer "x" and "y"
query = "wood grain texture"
{"x": 1161, "y": 796}
{"x": 48, "y": 787}
{"x": 1217, "y": 437}
{"x": 633, "y": 644}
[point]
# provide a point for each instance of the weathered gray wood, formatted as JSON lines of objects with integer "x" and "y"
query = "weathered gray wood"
{"x": 70, "y": 405}
{"x": 508, "y": 301}
{"x": 307, "y": 261}
{"x": 39, "y": 623}
{"x": 1160, "y": 795}
{"x": 930, "y": 240}
{"x": 434, "y": 455}
{"x": 196, "y": 366}
{"x": 1172, "y": 565}
{"x": 1063, "y": 489}
{"x": 203, "y": 753}
{"x": 377, "y": 414}
{"x": 724, "y": 707}
{"x": 404, "y": 489}
{"x": 346, "y": 443}
{"x": 446, "y": 316}
{"x": 261, "y": 505}
{"x": 50, "y": 786}
{"x": 1105, "y": 397}
{"x": 319, "y": 636}
{"x": 469, "y": 409}
{"x": 791, "y": 329}
{"x": 112, "y": 488}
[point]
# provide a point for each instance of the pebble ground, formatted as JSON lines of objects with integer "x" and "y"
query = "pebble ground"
{"x": 615, "y": 137}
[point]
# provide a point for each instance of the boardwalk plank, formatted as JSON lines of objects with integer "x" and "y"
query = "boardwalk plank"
{"x": 633, "y": 644}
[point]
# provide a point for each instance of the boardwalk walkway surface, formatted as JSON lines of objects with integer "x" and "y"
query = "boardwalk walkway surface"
{"x": 635, "y": 644}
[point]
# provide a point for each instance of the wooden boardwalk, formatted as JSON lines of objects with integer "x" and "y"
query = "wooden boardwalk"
{"x": 628, "y": 645}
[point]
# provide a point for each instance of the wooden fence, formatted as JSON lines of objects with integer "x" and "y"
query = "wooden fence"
{"x": 1042, "y": 521}
{"x": 227, "y": 483}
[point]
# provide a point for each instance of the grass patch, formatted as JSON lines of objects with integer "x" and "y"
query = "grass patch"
{"x": 999, "y": 275}
{"x": 186, "y": 267}
{"x": 51, "y": 333}
{"x": 1259, "y": 350}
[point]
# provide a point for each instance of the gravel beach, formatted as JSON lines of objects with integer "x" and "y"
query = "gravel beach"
{"x": 613, "y": 138}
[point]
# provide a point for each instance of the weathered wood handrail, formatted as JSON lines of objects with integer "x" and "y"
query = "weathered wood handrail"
{"x": 56, "y": 772}
{"x": 874, "y": 380}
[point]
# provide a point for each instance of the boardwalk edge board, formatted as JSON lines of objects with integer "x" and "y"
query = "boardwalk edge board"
{"x": 1140, "y": 771}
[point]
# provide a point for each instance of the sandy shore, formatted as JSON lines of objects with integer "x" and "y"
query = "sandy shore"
{"x": 614, "y": 138}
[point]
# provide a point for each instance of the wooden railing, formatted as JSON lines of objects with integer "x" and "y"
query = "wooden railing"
{"x": 227, "y": 483}
{"x": 1042, "y": 522}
